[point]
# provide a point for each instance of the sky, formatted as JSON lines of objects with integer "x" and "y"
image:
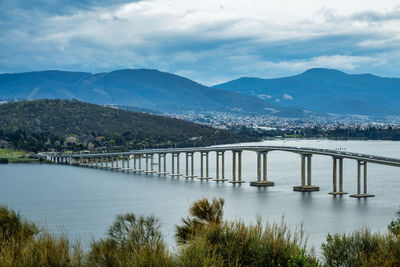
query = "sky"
{"x": 209, "y": 41}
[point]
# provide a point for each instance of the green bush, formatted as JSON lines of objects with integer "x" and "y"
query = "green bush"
{"x": 131, "y": 241}
{"x": 206, "y": 240}
{"x": 22, "y": 244}
{"x": 394, "y": 226}
{"x": 202, "y": 213}
{"x": 237, "y": 244}
{"x": 361, "y": 248}
{"x": 13, "y": 228}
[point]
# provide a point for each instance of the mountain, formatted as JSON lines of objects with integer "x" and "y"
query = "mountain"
{"x": 142, "y": 88}
{"x": 326, "y": 90}
{"x": 64, "y": 124}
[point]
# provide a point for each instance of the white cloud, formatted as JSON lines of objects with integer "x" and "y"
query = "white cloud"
{"x": 210, "y": 40}
{"x": 287, "y": 96}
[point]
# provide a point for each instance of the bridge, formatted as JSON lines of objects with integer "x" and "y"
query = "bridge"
{"x": 147, "y": 157}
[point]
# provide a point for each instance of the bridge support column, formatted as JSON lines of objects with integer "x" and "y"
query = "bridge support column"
{"x": 152, "y": 164}
{"x": 128, "y": 159}
{"x": 334, "y": 177}
{"x": 123, "y": 163}
{"x": 117, "y": 163}
{"x": 134, "y": 163}
{"x": 202, "y": 176}
{"x": 147, "y": 164}
{"x": 220, "y": 155}
{"x": 262, "y": 164}
{"x": 189, "y": 155}
{"x": 140, "y": 162}
{"x": 303, "y": 187}
{"x": 359, "y": 194}
{"x": 174, "y": 156}
{"x": 162, "y": 159}
{"x": 151, "y": 168}
{"x": 239, "y": 164}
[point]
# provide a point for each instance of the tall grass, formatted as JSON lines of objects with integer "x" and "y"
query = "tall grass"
{"x": 361, "y": 248}
{"x": 237, "y": 244}
{"x": 22, "y": 244}
{"x": 204, "y": 239}
{"x": 131, "y": 241}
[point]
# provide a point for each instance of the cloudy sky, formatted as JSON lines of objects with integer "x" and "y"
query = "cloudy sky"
{"x": 210, "y": 41}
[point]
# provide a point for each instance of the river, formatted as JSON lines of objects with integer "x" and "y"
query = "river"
{"x": 82, "y": 202}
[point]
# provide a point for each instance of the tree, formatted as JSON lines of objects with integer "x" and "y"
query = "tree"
{"x": 202, "y": 213}
{"x": 394, "y": 226}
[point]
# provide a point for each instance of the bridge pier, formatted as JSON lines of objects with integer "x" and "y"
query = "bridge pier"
{"x": 128, "y": 159}
{"x": 191, "y": 156}
{"x": 303, "y": 187}
{"x": 239, "y": 170}
{"x": 140, "y": 163}
{"x": 112, "y": 163}
{"x": 151, "y": 170}
{"x": 202, "y": 156}
{"x": 264, "y": 182}
{"x": 117, "y": 163}
{"x": 162, "y": 159}
{"x": 334, "y": 180}
{"x": 175, "y": 155}
{"x": 134, "y": 163}
{"x": 359, "y": 194}
{"x": 218, "y": 155}
{"x": 123, "y": 163}
{"x": 125, "y": 160}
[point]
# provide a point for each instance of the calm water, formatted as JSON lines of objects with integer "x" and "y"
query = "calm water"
{"x": 82, "y": 202}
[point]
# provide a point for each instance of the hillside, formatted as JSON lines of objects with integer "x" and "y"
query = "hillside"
{"x": 64, "y": 124}
{"x": 142, "y": 88}
{"x": 326, "y": 90}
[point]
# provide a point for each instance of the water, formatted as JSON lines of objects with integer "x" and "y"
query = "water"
{"x": 83, "y": 202}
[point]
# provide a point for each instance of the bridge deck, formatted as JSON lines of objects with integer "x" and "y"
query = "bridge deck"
{"x": 259, "y": 148}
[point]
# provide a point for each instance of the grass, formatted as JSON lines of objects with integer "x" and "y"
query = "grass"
{"x": 12, "y": 154}
{"x": 204, "y": 239}
{"x": 18, "y": 156}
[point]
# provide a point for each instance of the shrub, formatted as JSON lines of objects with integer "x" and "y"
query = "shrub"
{"x": 361, "y": 248}
{"x": 206, "y": 240}
{"x": 13, "y": 227}
{"x": 394, "y": 226}
{"x": 22, "y": 244}
{"x": 235, "y": 244}
{"x": 202, "y": 213}
{"x": 3, "y": 160}
{"x": 131, "y": 241}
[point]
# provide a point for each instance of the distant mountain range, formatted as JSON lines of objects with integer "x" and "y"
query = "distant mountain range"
{"x": 316, "y": 90}
{"x": 142, "y": 88}
{"x": 326, "y": 90}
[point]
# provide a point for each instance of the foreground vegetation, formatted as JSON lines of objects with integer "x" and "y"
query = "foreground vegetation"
{"x": 204, "y": 239}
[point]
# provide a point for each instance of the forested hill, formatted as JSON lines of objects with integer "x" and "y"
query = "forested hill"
{"x": 64, "y": 124}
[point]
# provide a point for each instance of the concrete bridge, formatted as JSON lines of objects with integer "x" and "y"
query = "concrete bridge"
{"x": 147, "y": 157}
